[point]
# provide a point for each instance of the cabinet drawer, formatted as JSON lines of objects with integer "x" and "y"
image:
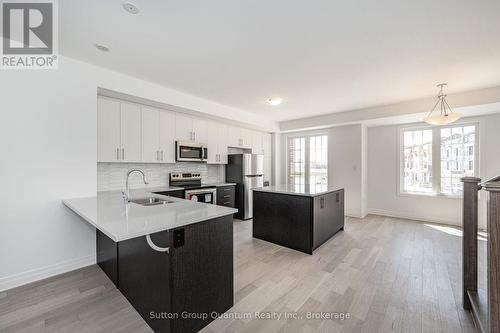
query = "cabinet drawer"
{"x": 225, "y": 196}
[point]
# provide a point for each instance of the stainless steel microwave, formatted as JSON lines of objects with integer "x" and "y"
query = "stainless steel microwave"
{"x": 188, "y": 151}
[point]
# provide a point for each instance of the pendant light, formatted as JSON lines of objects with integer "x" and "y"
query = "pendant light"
{"x": 446, "y": 116}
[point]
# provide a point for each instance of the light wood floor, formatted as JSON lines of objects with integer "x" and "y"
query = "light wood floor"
{"x": 387, "y": 274}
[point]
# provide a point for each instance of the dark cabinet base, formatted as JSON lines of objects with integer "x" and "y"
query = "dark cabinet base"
{"x": 177, "y": 291}
{"x": 301, "y": 223}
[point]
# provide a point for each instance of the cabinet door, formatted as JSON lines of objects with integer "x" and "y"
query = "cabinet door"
{"x": 234, "y": 136}
{"x": 246, "y": 136}
{"x": 131, "y": 132}
{"x": 200, "y": 130}
{"x": 268, "y": 169}
{"x": 257, "y": 142}
{"x": 213, "y": 142}
{"x": 108, "y": 129}
{"x": 167, "y": 137}
{"x": 183, "y": 128}
{"x": 222, "y": 144}
{"x": 266, "y": 137}
{"x": 150, "y": 135}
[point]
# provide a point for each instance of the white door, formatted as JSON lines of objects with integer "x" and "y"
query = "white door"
{"x": 108, "y": 129}
{"x": 183, "y": 128}
{"x": 200, "y": 130}
{"x": 150, "y": 135}
{"x": 167, "y": 137}
{"x": 213, "y": 142}
{"x": 131, "y": 132}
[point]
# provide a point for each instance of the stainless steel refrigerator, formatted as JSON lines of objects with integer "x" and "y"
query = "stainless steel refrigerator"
{"x": 247, "y": 171}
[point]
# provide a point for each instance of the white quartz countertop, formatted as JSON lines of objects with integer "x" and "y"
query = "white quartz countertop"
{"x": 119, "y": 221}
{"x": 302, "y": 190}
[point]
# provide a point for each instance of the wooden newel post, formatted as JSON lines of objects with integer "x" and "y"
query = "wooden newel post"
{"x": 469, "y": 239}
{"x": 493, "y": 274}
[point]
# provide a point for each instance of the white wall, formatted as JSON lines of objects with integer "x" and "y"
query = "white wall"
{"x": 48, "y": 151}
{"x": 345, "y": 163}
{"x": 383, "y": 173}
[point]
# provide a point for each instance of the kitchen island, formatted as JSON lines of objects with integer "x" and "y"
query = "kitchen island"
{"x": 301, "y": 217}
{"x": 171, "y": 258}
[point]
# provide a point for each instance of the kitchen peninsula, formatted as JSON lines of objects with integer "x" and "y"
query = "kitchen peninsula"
{"x": 167, "y": 255}
{"x": 301, "y": 217}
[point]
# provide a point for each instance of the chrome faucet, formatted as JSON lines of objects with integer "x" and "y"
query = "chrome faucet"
{"x": 126, "y": 192}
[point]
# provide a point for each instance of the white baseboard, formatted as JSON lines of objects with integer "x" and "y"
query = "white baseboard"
{"x": 37, "y": 274}
{"x": 417, "y": 217}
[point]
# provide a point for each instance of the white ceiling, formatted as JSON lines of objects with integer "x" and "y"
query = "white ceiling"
{"x": 321, "y": 56}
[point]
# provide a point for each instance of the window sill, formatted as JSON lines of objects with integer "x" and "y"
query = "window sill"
{"x": 430, "y": 195}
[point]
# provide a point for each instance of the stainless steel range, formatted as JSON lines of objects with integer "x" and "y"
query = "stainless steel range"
{"x": 193, "y": 189}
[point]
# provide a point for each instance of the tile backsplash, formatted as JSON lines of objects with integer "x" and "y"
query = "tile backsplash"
{"x": 111, "y": 176}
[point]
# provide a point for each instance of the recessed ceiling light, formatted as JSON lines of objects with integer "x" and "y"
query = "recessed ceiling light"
{"x": 102, "y": 48}
{"x": 275, "y": 101}
{"x": 130, "y": 7}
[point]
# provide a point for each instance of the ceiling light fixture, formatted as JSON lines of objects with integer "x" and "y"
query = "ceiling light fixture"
{"x": 446, "y": 116}
{"x": 130, "y": 8}
{"x": 102, "y": 48}
{"x": 275, "y": 101}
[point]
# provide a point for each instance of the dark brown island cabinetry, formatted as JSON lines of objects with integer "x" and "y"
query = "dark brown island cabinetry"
{"x": 300, "y": 221}
{"x": 178, "y": 280}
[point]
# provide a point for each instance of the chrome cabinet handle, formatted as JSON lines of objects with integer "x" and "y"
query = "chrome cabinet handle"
{"x": 226, "y": 203}
{"x": 227, "y": 196}
{"x": 117, "y": 154}
{"x": 123, "y": 154}
{"x": 162, "y": 155}
{"x": 155, "y": 247}
{"x": 157, "y": 155}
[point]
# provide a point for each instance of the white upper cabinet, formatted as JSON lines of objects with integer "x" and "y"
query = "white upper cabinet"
{"x": 200, "y": 130}
{"x": 158, "y": 136}
{"x": 150, "y": 135}
{"x": 108, "y": 130}
{"x": 167, "y": 137}
{"x": 257, "y": 142}
{"x": 239, "y": 137}
{"x": 217, "y": 143}
{"x": 267, "y": 144}
{"x": 183, "y": 128}
{"x": 189, "y": 128}
{"x": 130, "y": 132}
{"x": 119, "y": 131}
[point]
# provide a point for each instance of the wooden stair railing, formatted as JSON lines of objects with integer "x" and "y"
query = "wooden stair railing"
{"x": 485, "y": 308}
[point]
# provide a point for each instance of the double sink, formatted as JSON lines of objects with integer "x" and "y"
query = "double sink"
{"x": 151, "y": 201}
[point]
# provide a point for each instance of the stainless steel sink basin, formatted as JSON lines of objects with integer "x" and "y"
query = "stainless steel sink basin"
{"x": 151, "y": 201}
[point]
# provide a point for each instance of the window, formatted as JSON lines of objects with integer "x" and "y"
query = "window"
{"x": 418, "y": 159}
{"x": 308, "y": 160}
{"x": 296, "y": 161}
{"x": 434, "y": 159}
{"x": 461, "y": 139}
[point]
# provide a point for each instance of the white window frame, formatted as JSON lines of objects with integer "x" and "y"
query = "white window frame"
{"x": 436, "y": 157}
{"x": 307, "y": 159}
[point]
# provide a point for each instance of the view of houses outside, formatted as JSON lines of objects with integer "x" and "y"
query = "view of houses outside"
{"x": 457, "y": 157}
{"x": 418, "y": 161}
{"x": 457, "y": 150}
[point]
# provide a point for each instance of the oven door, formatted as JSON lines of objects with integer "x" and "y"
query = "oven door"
{"x": 205, "y": 196}
{"x": 188, "y": 152}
